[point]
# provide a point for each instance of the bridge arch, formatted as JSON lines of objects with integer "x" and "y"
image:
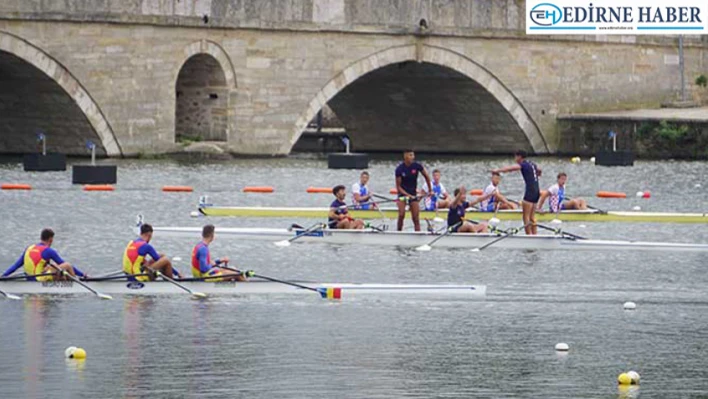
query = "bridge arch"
{"x": 456, "y": 63}
{"x": 203, "y": 85}
{"x": 61, "y": 84}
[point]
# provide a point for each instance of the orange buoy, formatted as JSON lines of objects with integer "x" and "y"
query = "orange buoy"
{"x": 610, "y": 194}
{"x": 15, "y": 186}
{"x": 177, "y": 189}
{"x": 476, "y": 191}
{"x": 98, "y": 187}
{"x": 258, "y": 189}
{"x": 319, "y": 190}
{"x": 393, "y": 191}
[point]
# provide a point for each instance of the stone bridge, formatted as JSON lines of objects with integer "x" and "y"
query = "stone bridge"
{"x": 144, "y": 76}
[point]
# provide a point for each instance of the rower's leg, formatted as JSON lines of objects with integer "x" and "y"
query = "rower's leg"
{"x": 526, "y": 208}
{"x": 415, "y": 214}
{"x": 582, "y": 204}
{"x": 358, "y": 224}
{"x": 228, "y": 275}
{"x": 480, "y": 228}
{"x": 465, "y": 228}
{"x": 534, "y": 227}
{"x": 442, "y": 204}
{"x": 58, "y": 276}
{"x": 401, "y": 213}
{"x": 163, "y": 265}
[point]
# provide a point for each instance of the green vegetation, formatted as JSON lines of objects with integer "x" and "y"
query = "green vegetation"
{"x": 185, "y": 139}
{"x": 702, "y": 81}
{"x": 672, "y": 140}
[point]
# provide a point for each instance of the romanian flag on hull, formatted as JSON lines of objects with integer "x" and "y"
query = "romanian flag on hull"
{"x": 331, "y": 293}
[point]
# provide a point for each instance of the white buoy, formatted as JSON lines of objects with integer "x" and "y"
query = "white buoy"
{"x": 556, "y": 221}
{"x": 562, "y": 347}
{"x": 194, "y": 214}
{"x": 640, "y": 194}
{"x": 494, "y": 221}
{"x": 629, "y": 306}
{"x": 697, "y": 185}
{"x": 69, "y": 352}
{"x": 582, "y": 226}
{"x": 634, "y": 376}
{"x": 592, "y": 159}
{"x": 637, "y": 208}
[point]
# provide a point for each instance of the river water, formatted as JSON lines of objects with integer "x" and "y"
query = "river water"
{"x": 280, "y": 346}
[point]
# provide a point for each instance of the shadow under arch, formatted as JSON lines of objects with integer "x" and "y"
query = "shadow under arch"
{"x": 430, "y": 55}
{"x": 46, "y": 64}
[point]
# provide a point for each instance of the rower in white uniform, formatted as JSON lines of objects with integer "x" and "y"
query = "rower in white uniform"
{"x": 361, "y": 195}
{"x": 557, "y": 200}
{"x": 491, "y": 197}
{"x": 440, "y": 198}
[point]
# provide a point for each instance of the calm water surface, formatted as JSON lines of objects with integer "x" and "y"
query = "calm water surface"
{"x": 280, "y": 346}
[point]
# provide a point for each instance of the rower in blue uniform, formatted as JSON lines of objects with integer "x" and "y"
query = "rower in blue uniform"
{"x": 339, "y": 214}
{"x": 361, "y": 195}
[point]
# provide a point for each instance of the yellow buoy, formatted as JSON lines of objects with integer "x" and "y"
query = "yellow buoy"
{"x": 79, "y": 353}
{"x": 624, "y": 379}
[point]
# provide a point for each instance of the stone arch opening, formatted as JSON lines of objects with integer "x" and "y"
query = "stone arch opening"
{"x": 427, "y": 97}
{"x": 37, "y": 94}
{"x": 202, "y": 100}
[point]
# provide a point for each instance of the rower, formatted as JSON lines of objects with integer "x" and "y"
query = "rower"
{"x": 361, "y": 194}
{"x": 203, "y": 266}
{"x": 439, "y": 198}
{"x": 492, "y": 198}
{"x": 456, "y": 214}
{"x": 339, "y": 214}
{"x": 37, "y": 258}
{"x": 557, "y": 201}
{"x": 530, "y": 173}
{"x": 134, "y": 262}
{"x": 406, "y": 184}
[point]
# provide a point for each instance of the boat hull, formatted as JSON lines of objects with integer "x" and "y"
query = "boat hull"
{"x": 255, "y": 287}
{"x": 415, "y": 239}
{"x": 570, "y": 215}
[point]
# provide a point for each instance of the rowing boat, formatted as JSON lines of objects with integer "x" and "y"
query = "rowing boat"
{"x": 373, "y": 237}
{"x": 588, "y": 215}
{"x": 253, "y": 287}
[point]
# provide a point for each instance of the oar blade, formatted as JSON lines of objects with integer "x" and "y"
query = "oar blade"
{"x": 104, "y": 296}
{"x": 11, "y": 296}
{"x": 556, "y": 221}
{"x": 282, "y": 244}
{"x": 424, "y": 248}
{"x": 198, "y": 295}
{"x": 438, "y": 219}
{"x": 494, "y": 221}
{"x": 475, "y": 250}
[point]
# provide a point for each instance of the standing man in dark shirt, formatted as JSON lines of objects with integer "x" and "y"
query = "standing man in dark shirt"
{"x": 530, "y": 173}
{"x": 407, "y": 185}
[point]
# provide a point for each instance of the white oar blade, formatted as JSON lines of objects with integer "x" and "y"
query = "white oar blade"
{"x": 438, "y": 220}
{"x": 105, "y": 296}
{"x": 284, "y": 243}
{"x": 494, "y": 221}
{"x": 424, "y": 248}
{"x": 556, "y": 221}
{"x": 12, "y": 296}
{"x": 474, "y": 250}
{"x": 198, "y": 295}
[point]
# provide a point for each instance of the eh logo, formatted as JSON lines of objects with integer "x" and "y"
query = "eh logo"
{"x": 546, "y": 14}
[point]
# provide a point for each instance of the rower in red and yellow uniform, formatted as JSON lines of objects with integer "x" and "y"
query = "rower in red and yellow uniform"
{"x": 38, "y": 260}
{"x": 135, "y": 264}
{"x": 203, "y": 266}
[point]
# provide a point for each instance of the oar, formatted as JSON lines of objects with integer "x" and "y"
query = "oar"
{"x": 494, "y": 220}
{"x": 506, "y": 234}
{"x": 79, "y": 282}
{"x": 427, "y": 247}
{"x": 9, "y": 296}
{"x": 561, "y": 232}
{"x": 335, "y": 292}
{"x": 590, "y": 207}
{"x": 195, "y": 294}
{"x": 286, "y": 243}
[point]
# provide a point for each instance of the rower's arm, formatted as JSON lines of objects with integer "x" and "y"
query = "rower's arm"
{"x": 333, "y": 214}
{"x": 458, "y": 199}
{"x": 149, "y": 250}
{"x": 507, "y": 169}
{"x": 481, "y": 198}
{"x": 427, "y": 180}
{"x": 20, "y": 261}
{"x": 542, "y": 200}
